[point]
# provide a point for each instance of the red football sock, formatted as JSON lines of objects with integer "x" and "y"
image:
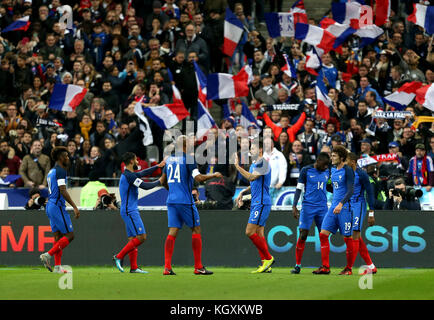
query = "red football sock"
{"x": 349, "y": 252}
{"x": 261, "y": 245}
{"x": 364, "y": 252}
{"x": 299, "y": 248}
{"x": 131, "y": 245}
{"x": 196, "y": 243}
{"x": 133, "y": 258}
{"x": 58, "y": 258}
{"x": 168, "y": 251}
{"x": 260, "y": 252}
{"x": 325, "y": 250}
{"x": 59, "y": 245}
{"x": 355, "y": 249}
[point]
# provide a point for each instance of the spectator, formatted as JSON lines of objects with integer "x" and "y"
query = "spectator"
{"x": 278, "y": 164}
{"x": 89, "y": 193}
{"x": 35, "y": 167}
{"x": 297, "y": 159}
{"x": 421, "y": 169}
{"x": 400, "y": 201}
{"x": 36, "y": 201}
{"x": 194, "y": 43}
{"x": 7, "y": 180}
{"x": 12, "y": 119}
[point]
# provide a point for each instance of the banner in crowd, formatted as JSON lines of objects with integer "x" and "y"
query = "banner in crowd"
{"x": 392, "y": 114}
{"x": 398, "y": 239}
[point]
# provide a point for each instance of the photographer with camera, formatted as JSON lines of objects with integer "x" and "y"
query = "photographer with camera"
{"x": 36, "y": 201}
{"x": 106, "y": 201}
{"x": 402, "y": 197}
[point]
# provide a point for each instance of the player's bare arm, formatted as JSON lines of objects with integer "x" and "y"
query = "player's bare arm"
{"x": 205, "y": 177}
{"x": 163, "y": 181}
{"x": 67, "y": 197}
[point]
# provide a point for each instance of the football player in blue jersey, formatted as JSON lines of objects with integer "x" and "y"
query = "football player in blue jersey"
{"x": 178, "y": 177}
{"x": 339, "y": 214}
{"x": 358, "y": 208}
{"x": 60, "y": 221}
{"x": 313, "y": 181}
{"x": 128, "y": 187}
{"x": 259, "y": 176}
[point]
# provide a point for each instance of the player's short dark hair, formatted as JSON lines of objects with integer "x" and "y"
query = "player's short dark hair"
{"x": 352, "y": 156}
{"x": 57, "y": 151}
{"x": 341, "y": 152}
{"x": 323, "y": 156}
{"x": 127, "y": 157}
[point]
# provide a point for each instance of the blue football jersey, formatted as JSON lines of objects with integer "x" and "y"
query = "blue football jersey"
{"x": 55, "y": 178}
{"x": 362, "y": 184}
{"x": 180, "y": 179}
{"x": 343, "y": 184}
{"x": 260, "y": 188}
{"x": 129, "y": 191}
{"x": 315, "y": 183}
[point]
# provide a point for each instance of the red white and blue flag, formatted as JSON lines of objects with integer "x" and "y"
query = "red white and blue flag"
{"x": 289, "y": 68}
{"x": 282, "y": 24}
{"x": 425, "y": 96}
{"x": 19, "y": 24}
{"x": 204, "y": 120}
{"x": 423, "y": 16}
{"x": 225, "y": 85}
{"x": 233, "y": 30}
{"x": 201, "y": 81}
{"x": 167, "y": 115}
{"x": 382, "y": 11}
{"x": 313, "y": 61}
{"x": 315, "y": 36}
{"x": 66, "y": 97}
{"x": 247, "y": 119}
{"x": 324, "y": 103}
{"x": 347, "y": 13}
{"x": 402, "y": 97}
{"x": 368, "y": 34}
{"x": 340, "y": 31}
{"x": 299, "y": 12}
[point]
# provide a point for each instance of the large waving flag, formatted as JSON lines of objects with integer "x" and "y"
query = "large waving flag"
{"x": 166, "y": 116}
{"x": 368, "y": 34}
{"x": 324, "y": 103}
{"x": 402, "y": 97}
{"x": 204, "y": 120}
{"x": 315, "y": 36}
{"x": 66, "y": 97}
{"x": 19, "y": 24}
{"x": 201, "y": 85}
{"x": 282, "y": 24}
{"x": 347, "y": 13}
{"x": 340, "y": 31}
{"x": 423, "y": 16}
{"x": 225, "y": 85}
{"x": 425, "y": 96}
{"x": 313, "y": 61}
{"x": 233, "y": 31}
{"x": 247, "y": 119}
{"x": 382, "y": 12}
{"x": 299, "y": 12}
{"x": 144, "y": 126}
{"x": 289, "y": 68}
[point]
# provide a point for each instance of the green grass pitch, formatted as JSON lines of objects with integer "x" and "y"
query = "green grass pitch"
{"x": 99, "y": 283}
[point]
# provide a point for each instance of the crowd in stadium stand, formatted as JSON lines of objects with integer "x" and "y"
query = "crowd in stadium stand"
{"x": 122, "y": 51}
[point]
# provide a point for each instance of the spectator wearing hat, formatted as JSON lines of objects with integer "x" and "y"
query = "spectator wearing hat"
{"x": 268, "y": 93}
{"x": 336, "y": 140}
{"x": 157, "y": 13}
{"x": 420, "y": 170}
{"x": 366, "y": 148}
{"x": 395, "y": 168}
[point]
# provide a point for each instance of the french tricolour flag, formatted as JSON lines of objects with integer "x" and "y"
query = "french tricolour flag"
{"x": 282, "y": 24}
{"x": 204, "y": 120}
{"x": 225, "y": 85}
{"x": 66, "y": 97}
{"x": 313, "y": 61}
{"x": 347, "y": 13}
{"x": 289, "y": 68}
{"x": 368, "y": 34}
{"x": 299, "y": 12}
{"x": 382, "y": 12}
{"x": 425, "y": 96}
{"x": 176, "y": 95}
{"x": 402, "y": 97}
{"x": 19, "y": 24}
{"x": 423, "y": 16}
{"x": 167, "y": 115}
{"x": 322, "y": 99}
{"x": 233, "y": 30}
{"x": 340, "y": 31}
{"x": 201, "y": 85}
{"x": 315, "y": 36}
{"x": 247, "y": 119}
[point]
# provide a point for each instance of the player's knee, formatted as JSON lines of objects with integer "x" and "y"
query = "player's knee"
{"x": 303, "y": 234}
{"x": 141, "y": 237}
{"x": 70, "y": 236}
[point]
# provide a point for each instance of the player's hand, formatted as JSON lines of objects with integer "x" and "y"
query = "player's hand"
{"x": 278, "y": 186}
{"x": 371, "y": 221}
{"x": 162, "y": 164}
{"x": 338, "y": 208}
{"x": 76, "y": 213}
{"x": 295, "y": 213}
{"x": 218, "y": 175}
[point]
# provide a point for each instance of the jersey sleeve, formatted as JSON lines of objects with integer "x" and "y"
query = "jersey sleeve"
{"x": 192, "y": 169}
{"x": 139, "y": 183}
{"x": 302, "y": 179}
{"x": 61, "y": 176}
{"x": 349, "y": 175}
{"x": 364, "y": 180}
{"x": 146, "y": 172}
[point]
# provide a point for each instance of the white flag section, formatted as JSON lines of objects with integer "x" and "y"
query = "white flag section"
{"x": 204, "y": 121}
{"x": 363, "y": 162}
{"x": 144, "y": 127}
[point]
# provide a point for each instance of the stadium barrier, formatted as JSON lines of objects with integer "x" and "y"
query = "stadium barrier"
{"x": 398, "y": 239}
{"x": 156, "y": 198}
